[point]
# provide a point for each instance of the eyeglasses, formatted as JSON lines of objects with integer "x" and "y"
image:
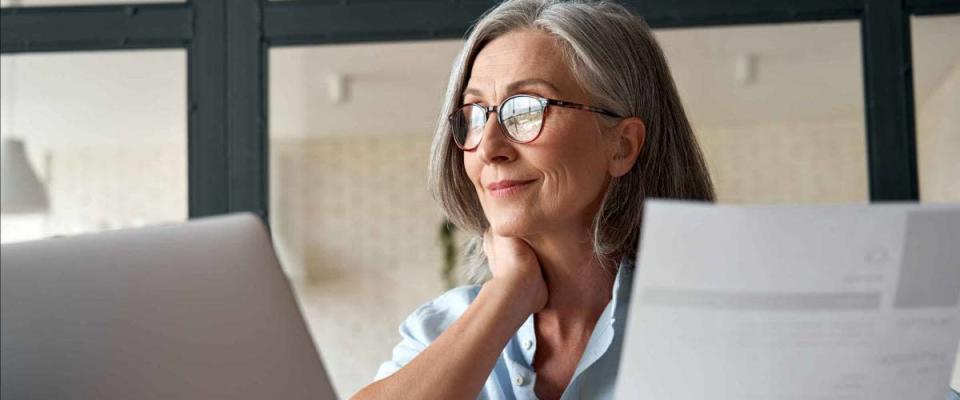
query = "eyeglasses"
{"x": 521, "y": 117}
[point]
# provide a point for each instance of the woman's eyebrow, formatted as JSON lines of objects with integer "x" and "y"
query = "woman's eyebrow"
{"x": 531, "y": 82}
{"x": 516, "y": 86}
{"x": 472, "y": 91}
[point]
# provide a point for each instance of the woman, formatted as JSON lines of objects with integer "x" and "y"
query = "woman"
{"x": 560, "y": 118}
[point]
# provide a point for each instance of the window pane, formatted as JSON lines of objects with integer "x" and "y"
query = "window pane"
{"x": 778, "y": 109}
{"x": 353, "y": 221}
{"x": 936, "y": 66}
{"x": 104, "y": 133}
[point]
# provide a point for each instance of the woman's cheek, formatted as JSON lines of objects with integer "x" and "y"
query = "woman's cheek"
{"x": 473, "y": 173}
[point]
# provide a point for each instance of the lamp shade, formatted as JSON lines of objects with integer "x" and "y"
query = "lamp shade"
{"x": 21, "y": 192}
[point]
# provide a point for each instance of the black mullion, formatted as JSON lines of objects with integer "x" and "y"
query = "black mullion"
{"x": 933, "y": 7}
{"x": 207, "y": 150}
{"x": 701, "y": 13}
{"x": 246, "y": 122}
{"x": 888, "y": 88}
{"x": 310, "y": 22}
{"x": 31, "y": 29}
{"x": 304, "y": 22}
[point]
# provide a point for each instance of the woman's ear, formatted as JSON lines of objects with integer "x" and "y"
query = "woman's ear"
{"x": 628, "y": 140}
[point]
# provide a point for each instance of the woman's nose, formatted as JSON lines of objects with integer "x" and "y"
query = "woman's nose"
{"x": 494, "y": 146}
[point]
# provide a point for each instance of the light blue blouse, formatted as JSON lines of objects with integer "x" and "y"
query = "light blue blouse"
{"x": 513, "y": 376}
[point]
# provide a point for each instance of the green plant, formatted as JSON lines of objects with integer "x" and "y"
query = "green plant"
{"x": 448, "y": 242}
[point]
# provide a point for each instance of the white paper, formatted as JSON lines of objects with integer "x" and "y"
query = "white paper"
{"x": 793, "y": 302}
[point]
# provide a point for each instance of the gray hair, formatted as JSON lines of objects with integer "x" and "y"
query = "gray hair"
{"x": 620, "y": 66}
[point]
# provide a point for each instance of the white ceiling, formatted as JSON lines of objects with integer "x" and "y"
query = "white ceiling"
{"x": 804, "y": 72}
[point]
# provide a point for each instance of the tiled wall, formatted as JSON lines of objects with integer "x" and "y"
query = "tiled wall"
{"x": 794, "y": 162}
{"x": 353, "y": 215}
{"x": 98, "y": 188}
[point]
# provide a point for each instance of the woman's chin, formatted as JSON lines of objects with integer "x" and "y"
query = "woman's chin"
{"x": 512, "y": 228}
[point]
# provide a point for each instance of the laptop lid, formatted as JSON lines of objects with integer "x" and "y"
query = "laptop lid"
{"x": 195, "y": 310}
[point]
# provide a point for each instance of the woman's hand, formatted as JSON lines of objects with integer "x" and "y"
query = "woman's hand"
{"x": 516, "y": 269}
{"x": 469, "y": 348}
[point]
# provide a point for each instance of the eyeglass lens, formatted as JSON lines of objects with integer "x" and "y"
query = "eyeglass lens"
{"x": 520, "y": 116}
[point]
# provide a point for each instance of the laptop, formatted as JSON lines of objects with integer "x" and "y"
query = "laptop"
{"x": 793, "y": 302}
{"x": 197, "y": 310}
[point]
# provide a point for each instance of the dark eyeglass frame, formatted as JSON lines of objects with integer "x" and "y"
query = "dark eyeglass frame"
{"x": 544, "y": 102}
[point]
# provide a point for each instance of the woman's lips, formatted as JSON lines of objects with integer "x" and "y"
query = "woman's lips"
{"x": 507, "y": 187}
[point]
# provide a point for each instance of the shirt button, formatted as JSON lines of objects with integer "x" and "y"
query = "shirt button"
{"x": 519, "y": 381}
{"x": 528, "y": 344}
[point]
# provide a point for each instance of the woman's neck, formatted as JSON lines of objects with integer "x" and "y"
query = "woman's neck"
{"x": 579, "y": 287}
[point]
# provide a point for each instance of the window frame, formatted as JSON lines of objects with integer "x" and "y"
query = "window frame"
{"x": 228, "y": 43}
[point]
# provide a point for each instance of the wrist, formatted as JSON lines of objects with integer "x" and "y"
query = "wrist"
{"x": 518, "y": 299}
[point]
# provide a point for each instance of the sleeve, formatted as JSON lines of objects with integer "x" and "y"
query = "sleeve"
{"x": 412, "y": 342}
{"x": 424, "y": 325}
